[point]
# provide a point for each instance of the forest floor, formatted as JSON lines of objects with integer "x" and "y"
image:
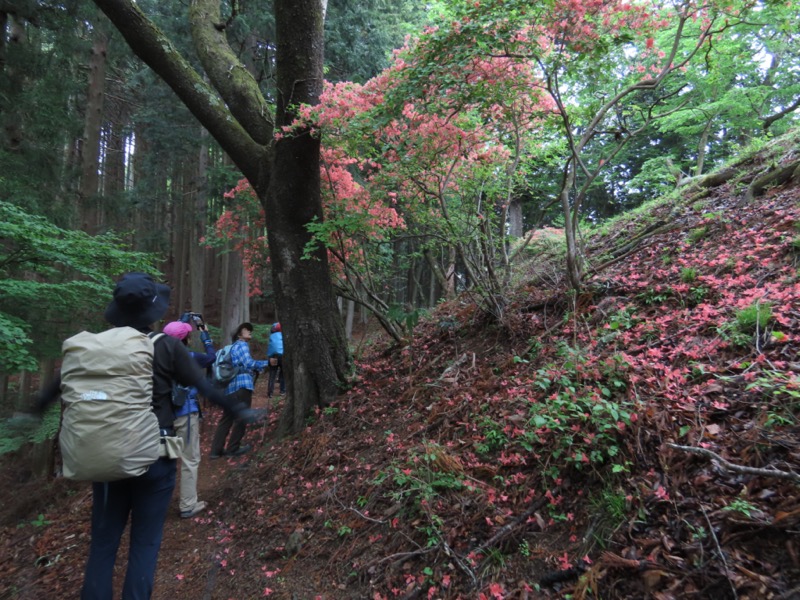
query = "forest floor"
{"x": 638, "y": 440}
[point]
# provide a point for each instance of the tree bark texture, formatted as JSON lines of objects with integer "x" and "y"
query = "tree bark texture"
{"x": 284, "y": 173}
{"x": 197, "y": 259}
{"x": 93, "y": 123}
{"x": 314, "y": 341}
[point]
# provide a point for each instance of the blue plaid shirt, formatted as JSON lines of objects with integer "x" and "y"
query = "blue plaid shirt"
{"x": 240, "y": 355}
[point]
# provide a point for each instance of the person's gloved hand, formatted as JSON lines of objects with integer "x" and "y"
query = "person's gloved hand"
{"x": 250, "y": 415}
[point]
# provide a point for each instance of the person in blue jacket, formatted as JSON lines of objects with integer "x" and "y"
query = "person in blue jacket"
{"x": 275, "y": 355}
{"x": 187, "y": 417}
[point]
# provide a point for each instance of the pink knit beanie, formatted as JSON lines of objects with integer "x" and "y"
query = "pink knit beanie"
{"x": 177, "y": 329}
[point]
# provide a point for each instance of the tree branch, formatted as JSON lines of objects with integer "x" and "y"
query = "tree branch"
{"x": 228, "y": 75}
{"x": 768, "y": 121}
{"x": 729, "y": 466}
{"x": 157, "y": 51}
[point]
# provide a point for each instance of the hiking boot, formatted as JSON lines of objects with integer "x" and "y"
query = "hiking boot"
{"x": 216, "y": 455}
{"x": 198, "y": 508}
{"x": 241, "y": 450}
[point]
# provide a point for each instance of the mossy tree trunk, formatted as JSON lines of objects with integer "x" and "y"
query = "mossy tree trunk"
{"x": 284, "y": 174}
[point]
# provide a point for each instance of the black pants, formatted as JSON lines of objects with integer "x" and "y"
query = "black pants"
{"x": 276, "y": 372}
{"x": 227, "y": 421}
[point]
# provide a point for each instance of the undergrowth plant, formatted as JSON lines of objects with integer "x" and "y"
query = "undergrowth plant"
{"x": 780, "y": 392}
{"x": 755, "y": 317}
{"x": 697, "y": 234}
{"x": 585, "y": 408}
{"x": 493, "y": 437}
{"x": 748, "y": 324}
{"x": 17, "y": 431}
{"x": 420, "y": 483}
{"x": 610, "y": 510}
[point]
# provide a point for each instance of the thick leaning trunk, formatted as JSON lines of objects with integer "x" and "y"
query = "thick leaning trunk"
{"x": 315, "y": 349}
{"x": 314, "y": 356}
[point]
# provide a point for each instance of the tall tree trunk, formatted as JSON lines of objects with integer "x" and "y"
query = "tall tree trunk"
{"x": 701, "y": 148}
{"x": 93, "y": 123}
{"x": 114, "y": 159}
{"x": 438, "y": 274}
{"x": 348, "y": 324}
{"x": 14, "y": 29}
{"x": 181, "y": 242}
{"x": 515, "y": 225}
{"x": 315, "y": 351}
{"x": 43, "y": 454}
{"x": 574, "y": 262}
{"x": 197, "y": 252}
{"x": 233, "y": 312}
{"x": 284, "y": 173}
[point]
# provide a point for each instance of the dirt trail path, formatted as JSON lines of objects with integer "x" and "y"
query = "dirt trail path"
{"x": 194, "y": 550}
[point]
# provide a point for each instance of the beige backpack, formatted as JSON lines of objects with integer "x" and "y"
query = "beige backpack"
{"x": 108, "y": 430}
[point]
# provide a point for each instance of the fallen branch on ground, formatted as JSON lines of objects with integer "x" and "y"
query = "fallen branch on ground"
{"x": 729, "y": 466}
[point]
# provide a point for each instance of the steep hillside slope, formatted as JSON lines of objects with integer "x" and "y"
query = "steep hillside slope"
{"x": 636, "y": 440}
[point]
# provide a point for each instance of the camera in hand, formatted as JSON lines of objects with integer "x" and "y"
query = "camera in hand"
{"x": 192, "y": 317}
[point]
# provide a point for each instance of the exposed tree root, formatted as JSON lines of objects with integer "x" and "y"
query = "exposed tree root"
{"x": 733, "y": 468}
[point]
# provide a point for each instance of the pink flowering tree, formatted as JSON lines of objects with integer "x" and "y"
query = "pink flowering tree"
{"x": 242, "y": 227}
{"x": 597, "y": 60}
{"x": 444, "y": 166}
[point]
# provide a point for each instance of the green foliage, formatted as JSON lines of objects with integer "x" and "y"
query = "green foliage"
{"x": 40, "y": 521}
{"x": 359, "y": 36}
{"x": 622, "y": 319}
{"x": 53, "y": 280}
{"x": 780, "y": 394}
{"x": 753, "y": 318}
{"x": 43, "y": 76}
{"x": 420, "y": 481}
{"x": 655, "y": 296}
{"x": 697, "y": 295}
{"x": 688, "y": 274}
{"x": 23, "y": 429}
{"x": 697, "y": 234}
{"x": 610, "y": 510}
{"x": 742, "y": 506}
{"x": 580, "y": 421}
{"x": 407, "y": 318}
{"x": 657, "y": 177}
{"x": 423, "y": 479}
{"x": 493, "y": 437}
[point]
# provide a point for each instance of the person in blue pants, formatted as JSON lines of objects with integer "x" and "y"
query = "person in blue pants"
{"x": 146, "y": 499}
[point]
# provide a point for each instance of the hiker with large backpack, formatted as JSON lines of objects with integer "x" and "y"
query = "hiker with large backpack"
{"x": 118, "y": 430}
{"x": 187, "y": 412}
{"x": 239, "y": 391}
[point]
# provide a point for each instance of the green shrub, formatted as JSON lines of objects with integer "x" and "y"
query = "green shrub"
{"x": 688, "y": 274}
{"x": 755, "y": 317}
{"x": 695, "y": 235}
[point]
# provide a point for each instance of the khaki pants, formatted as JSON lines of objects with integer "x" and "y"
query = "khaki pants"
{"x": 188, "y": 427}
